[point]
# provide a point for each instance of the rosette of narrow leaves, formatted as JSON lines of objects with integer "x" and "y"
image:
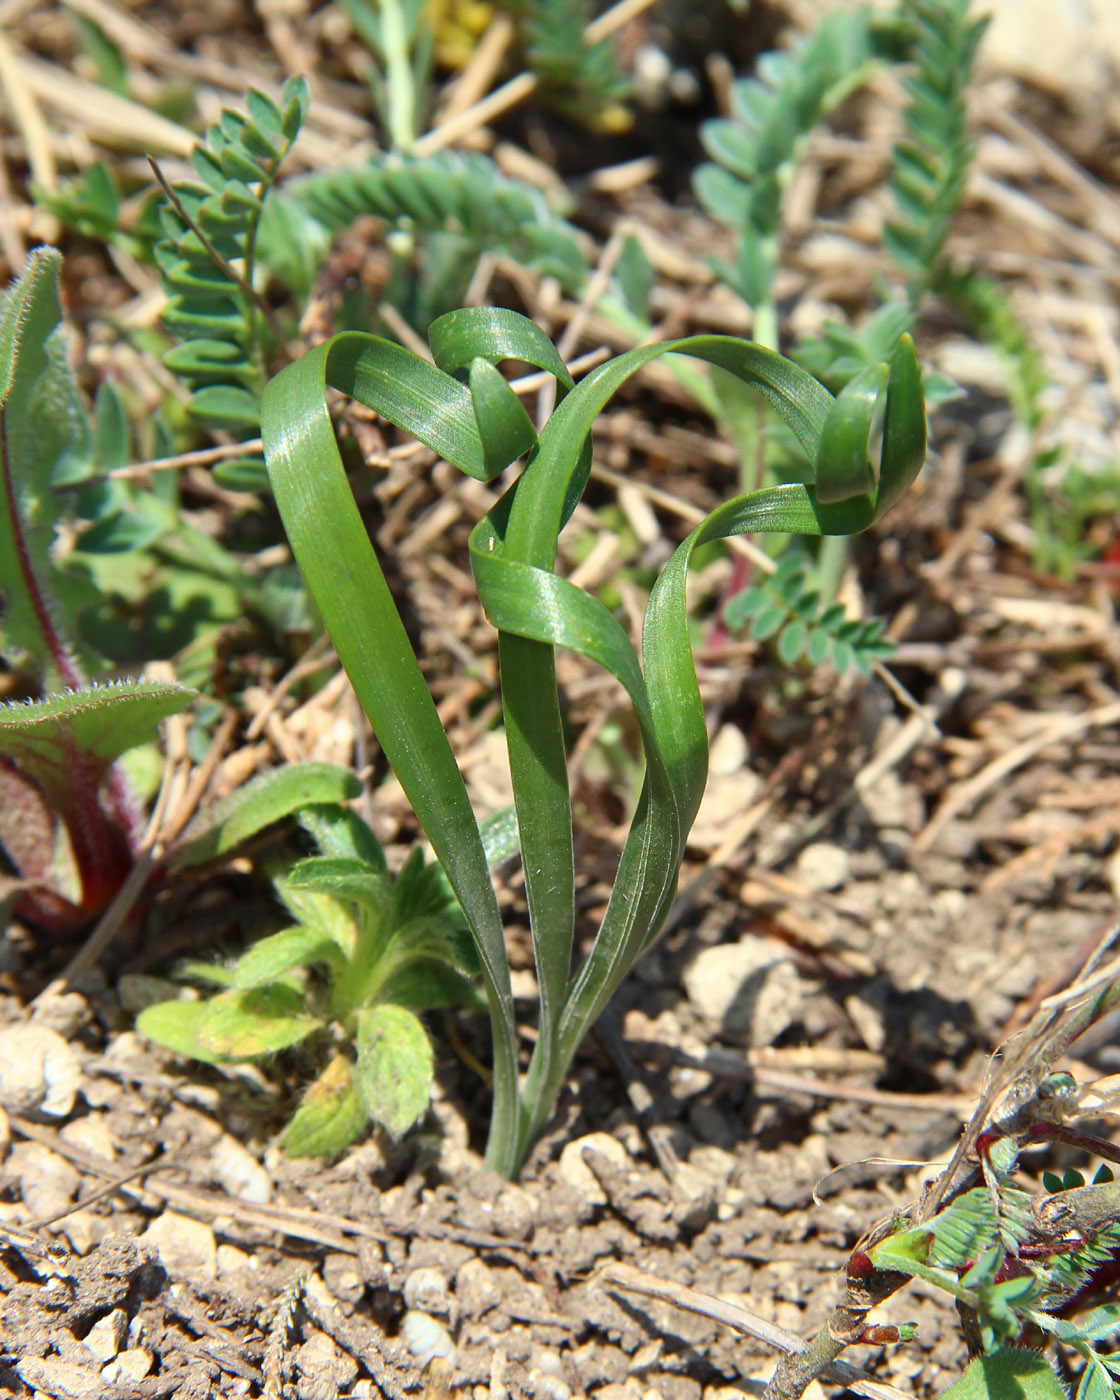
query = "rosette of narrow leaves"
{"x": 385, "y": 949}
{"x": 209, "y": 251}
{"x": 463, "y": 409}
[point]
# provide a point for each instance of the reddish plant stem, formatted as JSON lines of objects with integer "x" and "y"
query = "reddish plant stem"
{"x": 104, "y": 843}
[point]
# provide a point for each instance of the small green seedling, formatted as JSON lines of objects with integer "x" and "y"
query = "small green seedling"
{"x": 865, "y": 448}
{"x": 383, "y": 949}
{"x": 1012, "y": 1264}
{"x": 787, "y": 606}
{"x": 70, "y": 824}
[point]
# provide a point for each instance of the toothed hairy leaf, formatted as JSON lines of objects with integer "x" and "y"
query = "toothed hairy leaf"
{"x": 44, "y": 437}
{"x": 234, "y": 1025}
{"x": 87, "y": 728}
{"x": 1011, "y": 1373}
{"x": 258, "y": 804}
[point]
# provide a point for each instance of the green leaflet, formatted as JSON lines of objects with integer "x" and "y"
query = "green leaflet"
{"x": 513, "y": 552}
{"x": 395, "y": 1067}
{"x": 209, "y": 224}
{"x": 331, "y": 1117}
{"x": 234, "y": 1025}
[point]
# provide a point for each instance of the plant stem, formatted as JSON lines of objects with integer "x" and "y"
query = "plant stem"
{"x": 400, "y": 89}
{"x": 255, "y": 298}
{"x": 845, "y": 1325}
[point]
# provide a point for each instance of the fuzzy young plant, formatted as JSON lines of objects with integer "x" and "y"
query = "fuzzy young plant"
{"x": 1024, "y": 1267}
{"x": 70, "y": 826}
{"x": 386, "y": 948}
{"x": 997, "y": 1252}
{"x": 462, "y": 407}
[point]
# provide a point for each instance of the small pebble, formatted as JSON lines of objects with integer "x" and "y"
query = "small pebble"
{"x": 106, "y": 1337}
{"x": 53, "y": 1376}
{"x": 233, "y": 1166}
{"x": 575, "y": 1171}
{"x": 426, "y": 1291}
{"x": 132, "y": 1365}
{"x": 822, "y": 867}
{"x": 426, "y": 1339}
{"x": 475, "y": 1288}
{"x": 187, "y": 1248}
{"x": 513, "y": 1215}
{"x": 750, "y": 987}
{"x": 38, "y": 1072}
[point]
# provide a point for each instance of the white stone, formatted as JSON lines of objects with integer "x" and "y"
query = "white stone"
{"x": 575, "y": 1171}
{"x": 187, "y": 1248}
{"x": 106, "y": 1337}
{"x": 60, "y": 1379}
{"x": 132, "y": 1365}
{"x": 426, "y": 1290}
{"x": 91, "y": 1134}
{"x": 233, "y": 1166}
{"x": 38, "y": 1071}
{"x": 747, "y": 987}
{"x": 822, "y": 867}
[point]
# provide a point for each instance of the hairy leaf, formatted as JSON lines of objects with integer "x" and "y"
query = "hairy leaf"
{"x": 331, "y": 1116}
{"x": 395, "y": 1067}
{"x": 44, "y": 438}
{"x": 267, "y": 799}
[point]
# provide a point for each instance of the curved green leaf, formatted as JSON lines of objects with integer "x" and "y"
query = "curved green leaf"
{"x": 513, "y": 554}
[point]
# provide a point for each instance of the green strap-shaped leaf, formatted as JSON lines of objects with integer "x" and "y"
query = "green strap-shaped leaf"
{"x": 513, "y": 554}
{"x": 345, "y": 579}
